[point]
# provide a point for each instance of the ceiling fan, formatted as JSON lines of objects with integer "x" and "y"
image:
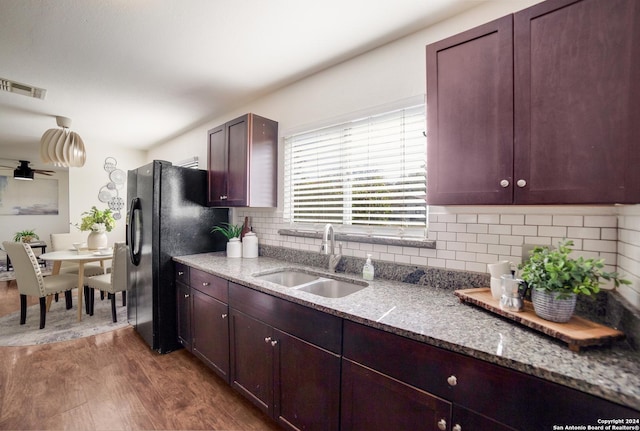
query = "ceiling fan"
{"x": 24, "y": 172}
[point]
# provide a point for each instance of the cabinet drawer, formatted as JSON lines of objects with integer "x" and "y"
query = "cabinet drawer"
{"x": 182, "y": 273}
{"x": 209, "y": 284}
{"x": 323, "y": 330}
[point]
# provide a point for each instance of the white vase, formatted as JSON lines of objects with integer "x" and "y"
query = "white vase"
{"x": 97, "y": 240}
{"x": 234, "y": 248}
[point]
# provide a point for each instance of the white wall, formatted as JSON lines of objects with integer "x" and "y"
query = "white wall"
{"x": 86, "y": 182}
{"x": 467, "y": 237}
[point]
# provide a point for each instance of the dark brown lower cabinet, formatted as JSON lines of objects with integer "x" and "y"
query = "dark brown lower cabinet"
{"x": 489, "y": 396}
{"x": 210, "y": 332}
{"x": 374, "y": 401}
{"x": 293, "y": 381}
{"x": 183, "y": 300}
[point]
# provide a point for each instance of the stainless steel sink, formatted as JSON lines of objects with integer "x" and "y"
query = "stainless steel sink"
{"x": 330, "y": 288}
{"x": 288, "y": 278}
{"x": 312, "y": 283}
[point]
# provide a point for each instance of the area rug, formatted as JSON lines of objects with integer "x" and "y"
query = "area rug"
{"x": 61, "y": 324}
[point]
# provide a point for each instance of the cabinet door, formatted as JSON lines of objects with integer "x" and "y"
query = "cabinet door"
{"x": 217, "y": 166}
{"x": 238, "y": 173}
{"x": 468, "y": 420}
{"x": 307, "y": 385}
{"x": 183, "y": 302}
{"x": 577, "y": 102}
{"x": 252, "y": 359}
{"x": 470, "y": 116}
{"x": 371, "y": 400}
{"x": 211, "y": 332}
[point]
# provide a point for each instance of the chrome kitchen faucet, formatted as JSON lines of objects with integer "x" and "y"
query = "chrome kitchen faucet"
{"x": 328, "y": 247}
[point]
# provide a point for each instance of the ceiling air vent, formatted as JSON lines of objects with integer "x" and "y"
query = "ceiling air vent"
{"x": 24, "y": 89}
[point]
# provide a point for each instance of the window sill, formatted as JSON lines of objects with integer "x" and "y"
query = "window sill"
{"x": 383, "y": 240}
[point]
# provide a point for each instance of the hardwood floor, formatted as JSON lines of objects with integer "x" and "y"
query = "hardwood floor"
{"x": 113, "y": 381}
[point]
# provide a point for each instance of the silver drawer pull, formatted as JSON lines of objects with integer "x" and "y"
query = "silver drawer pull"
{"x": 205, "y": 283}
{"x": 274, "y": 342}
{"x": 180, "y": 273}
{"x": 186, "y": 295}
{"x": 224, "y": 316}
{"x": 267, "y": 339}
{"x": 442, "y": 424}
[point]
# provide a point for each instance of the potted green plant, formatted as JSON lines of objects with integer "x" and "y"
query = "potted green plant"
{"x": 556, "y": 279}
{"x": 98, "y": 222}
{"x": 232, "y": 232}
{"x": 27, "y": 235}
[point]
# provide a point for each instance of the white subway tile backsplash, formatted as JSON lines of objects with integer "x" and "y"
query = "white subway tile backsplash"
{"x": 489, "y": 218}
{"x": 538, "y": 220}
{"x": 595, "y": 245}
{"x": 468, "y": 240}
{"x": 499, "y": 229}
{"x": 525, "y": 230}
{"x": 512, "y": 219}
{"x": 600, "y": 221}
{"x": 568, "y": 220}
{"x": 584, "y": 232}
{"x": 552, "y": 231}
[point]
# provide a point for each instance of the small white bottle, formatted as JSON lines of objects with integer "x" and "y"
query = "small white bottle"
{"x": 368, "y": 270}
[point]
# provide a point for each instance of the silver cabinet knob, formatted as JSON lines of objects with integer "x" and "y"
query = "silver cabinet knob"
{"x": 224, "y": 316}
{"x": 180, "y": 273}
{"x": 504, "y": 183}
{"x": 223, "y": 197}
{"x": 456, "y": 427}
{"x": 274, "y": 342}
{"x": 267, "y": 339}
{"x": 521, "y": 183}
{"x": 442, "y": 424}
{"x": 186, "y": 295}
{"x": 205, "y": 283}
{"x": 452, "y": 380}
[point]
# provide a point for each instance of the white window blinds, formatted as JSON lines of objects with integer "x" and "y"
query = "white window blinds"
{"x": 367, "y": 172}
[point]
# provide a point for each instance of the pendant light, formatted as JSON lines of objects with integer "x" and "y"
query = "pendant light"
{"x": 62, "y": 147}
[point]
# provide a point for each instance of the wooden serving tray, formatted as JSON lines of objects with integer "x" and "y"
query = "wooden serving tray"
{"x": 577, "y": 332}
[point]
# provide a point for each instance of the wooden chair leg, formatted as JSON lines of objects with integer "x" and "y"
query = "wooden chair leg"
{"x": 113, "y": 307}
{"x": 43, "y": 311}
{"x": 68, "y": 300}
{"x": 56, "y": 297}
{"x": 23, "y": 309}
{"x": 124, "y": 298}
{"x": 102, "y": 295}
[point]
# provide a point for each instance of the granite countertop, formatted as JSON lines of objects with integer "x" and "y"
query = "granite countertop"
{"x": 437, "y": 317}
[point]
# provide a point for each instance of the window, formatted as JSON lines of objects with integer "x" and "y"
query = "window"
{"x": 365, "y": 174}
{"x": 191, "y": 162}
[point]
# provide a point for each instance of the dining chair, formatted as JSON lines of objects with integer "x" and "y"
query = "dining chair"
{"x": 111, "y": 283}
{"x": 31, "y": 282}
{"x": 64, "y": 241}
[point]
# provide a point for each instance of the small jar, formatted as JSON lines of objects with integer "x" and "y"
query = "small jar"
{"x": 234, "y": 248}
{"x": 250, "y": 246}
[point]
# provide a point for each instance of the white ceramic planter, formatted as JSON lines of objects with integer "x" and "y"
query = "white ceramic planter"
{"x": 547, "y": 306}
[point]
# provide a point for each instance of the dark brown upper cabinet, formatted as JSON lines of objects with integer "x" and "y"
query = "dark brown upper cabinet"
{"x": 538, "y": 107}
{"x": 243, "y": 163}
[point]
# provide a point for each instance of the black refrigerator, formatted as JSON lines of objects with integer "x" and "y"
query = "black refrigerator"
{"x": 167, "y": 216}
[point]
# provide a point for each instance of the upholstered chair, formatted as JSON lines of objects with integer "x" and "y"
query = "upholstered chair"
{"x": 64, "y": 241}
{"x": 114, "y": 282}
{"x": 31, "y": 282}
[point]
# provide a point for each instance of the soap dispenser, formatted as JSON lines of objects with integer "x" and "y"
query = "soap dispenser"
{"x": 368, "y": 270}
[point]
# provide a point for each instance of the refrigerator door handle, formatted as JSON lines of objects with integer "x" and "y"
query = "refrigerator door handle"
{"x": 134, "y": 233}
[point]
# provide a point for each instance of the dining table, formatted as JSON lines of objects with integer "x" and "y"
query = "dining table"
{"x": 81, "y": 257}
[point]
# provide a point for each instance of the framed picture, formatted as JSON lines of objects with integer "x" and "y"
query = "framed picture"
{"x": 37, "y": 197}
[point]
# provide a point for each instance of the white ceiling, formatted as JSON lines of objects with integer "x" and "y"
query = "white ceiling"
{"x": 135, "y": 73}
